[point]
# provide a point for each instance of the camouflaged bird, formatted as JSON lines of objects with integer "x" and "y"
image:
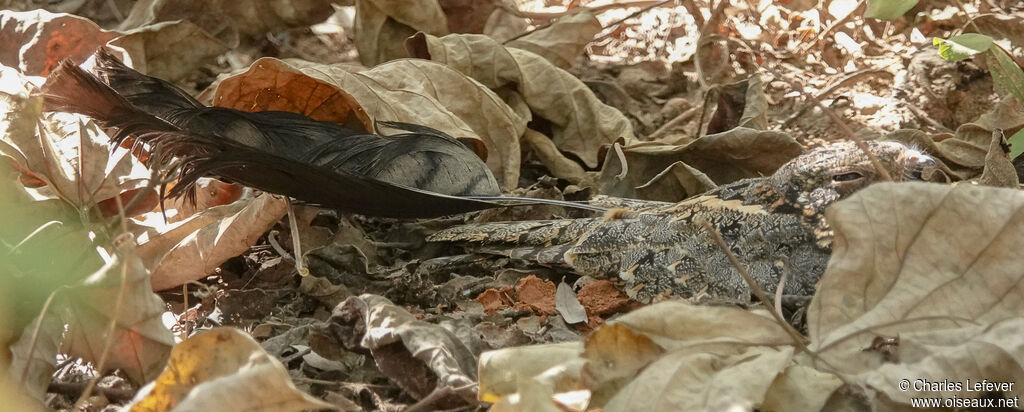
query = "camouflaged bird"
{"x": 773, "y": 224}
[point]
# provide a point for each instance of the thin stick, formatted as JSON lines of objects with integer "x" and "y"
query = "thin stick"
{"x": 646, "y": 4}
{"x": 296, "y": 242}
{"x": 798, "y": 339}
{"x": 118, "y": 303}
{"x": 883, "y": 174}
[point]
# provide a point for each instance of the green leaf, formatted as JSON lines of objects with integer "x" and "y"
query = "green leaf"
{"x": 888, "y": 9}
{"x": 963, "y": 46}
{"x": 1016, "y": 144}
{"x": 1007, "y": 76}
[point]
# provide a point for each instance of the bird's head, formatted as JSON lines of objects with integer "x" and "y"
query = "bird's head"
{"x": 814, "y": 180}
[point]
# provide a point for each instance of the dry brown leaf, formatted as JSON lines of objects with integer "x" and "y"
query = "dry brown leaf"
{"x": 230, "y": 20}
{"x": 568, "y": 305}
{"x": 467, "y": 16}
{"x": 411, "y": 91}
{"x": 740, "y": 104}
{"x": 67, "y": 152}
{"x": 800, "y": 388}
{"x": 714, "y": 378}
{"x": 717, "y": 358}
{"x": 36, "y": 41}
{"x": 193, "y": 249}
{"x": 503, "y": 371}
{"x": 713, "y": 358}
{"x": 936, "y": 265}
{"x": 615, "y": 354}
{"x": 672, "y": 173}
{"x": 562, "y": 42}
{"x": 503, "y": 24}
{"x": 580, "y": 123}
{"x": 548, "y": 154}
{"x": 382, "y": 26}
{"x": 999, "y": 171}
{"x": 224, "y": 369}
{"x": 418, "y": 356}
{"x": 964, "y": 152}
{"x": 34, "y": 356}
{"x": 119, "y": 292}
{"x": 158, "y": 51}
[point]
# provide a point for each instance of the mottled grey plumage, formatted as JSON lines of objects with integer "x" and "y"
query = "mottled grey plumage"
{"x": 773, "y": 224}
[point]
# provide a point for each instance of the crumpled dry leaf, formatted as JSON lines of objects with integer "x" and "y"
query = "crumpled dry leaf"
{"x": 503, "y": 371}
{"x": 684, "y": 357}
{"x": 999, "y": 171}
{"x": 67, "y": 152}
{"x": 192, "y": 249}
{"x": 503, "y": 24}
{"x": 580, "y": 123}
{"x": 800, "y": 388}
{"x": 418, "y": 356}
{"x": 467, "y": 16}
{"x": 964, "y": 152}
{"x": 33, "y": 362}
{"x": 382, "y": 26}
{"x": 556, "y": 163}
{"x": 157, "y": 49}
{"x": 740, "y": 104}
{"x": 950, "y": 292}
{"x": 411, "y": 91}
{"x": 563, "y": 41}
{"x": 224, "y": 369}
{"x": 120, "y": 293}
{"x": 615, "y": 354}
{"x": 36, "y": 41}
{"x": 672, "y": 173}
{"x": 568, "y": 306}
{"x": 230, "y": 20}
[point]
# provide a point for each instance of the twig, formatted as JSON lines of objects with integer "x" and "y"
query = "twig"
{"x": 622, "y": 161}
{"x": 118, "y": 304}
{"x": 35, "y": 330}
{"x": 970, "y": 21}
{"x": 552, "y": 16}
{"x": 300, "y": 265}
{"x": 272, "y": 239}
{"x": 883, "y": 174}
{"x": 75, "y": 389}
{"x": 435, "y": 396}
{"x": 630, "y": 16}
{"x": 843, "y": 82}
{"x": 779, "y": 289}
{"x": 832, "y": 26}
{"x": 676, "y": 121}
{"x": 798, "y": 339}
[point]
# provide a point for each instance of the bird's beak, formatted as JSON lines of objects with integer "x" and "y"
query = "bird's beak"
{"x": 921, "y": 167}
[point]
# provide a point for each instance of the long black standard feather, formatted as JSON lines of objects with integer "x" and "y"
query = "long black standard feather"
{"x": 352, "y": 175}
{"x": 424, "y": 158}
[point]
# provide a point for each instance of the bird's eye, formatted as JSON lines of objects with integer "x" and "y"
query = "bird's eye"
{"x": 846, "y": 177}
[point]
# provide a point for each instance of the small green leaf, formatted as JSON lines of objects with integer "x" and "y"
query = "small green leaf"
{"x": 963, "y": 46}
{"x": 1016, "y": 144}
{"x": 888, "y": 9}
{"x": 1007, "y": 76}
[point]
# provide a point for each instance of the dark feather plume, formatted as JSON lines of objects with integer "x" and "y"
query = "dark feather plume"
{"x": 423, "y": 173}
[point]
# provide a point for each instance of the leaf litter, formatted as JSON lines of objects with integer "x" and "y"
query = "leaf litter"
{"x": 563, "y": 101}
